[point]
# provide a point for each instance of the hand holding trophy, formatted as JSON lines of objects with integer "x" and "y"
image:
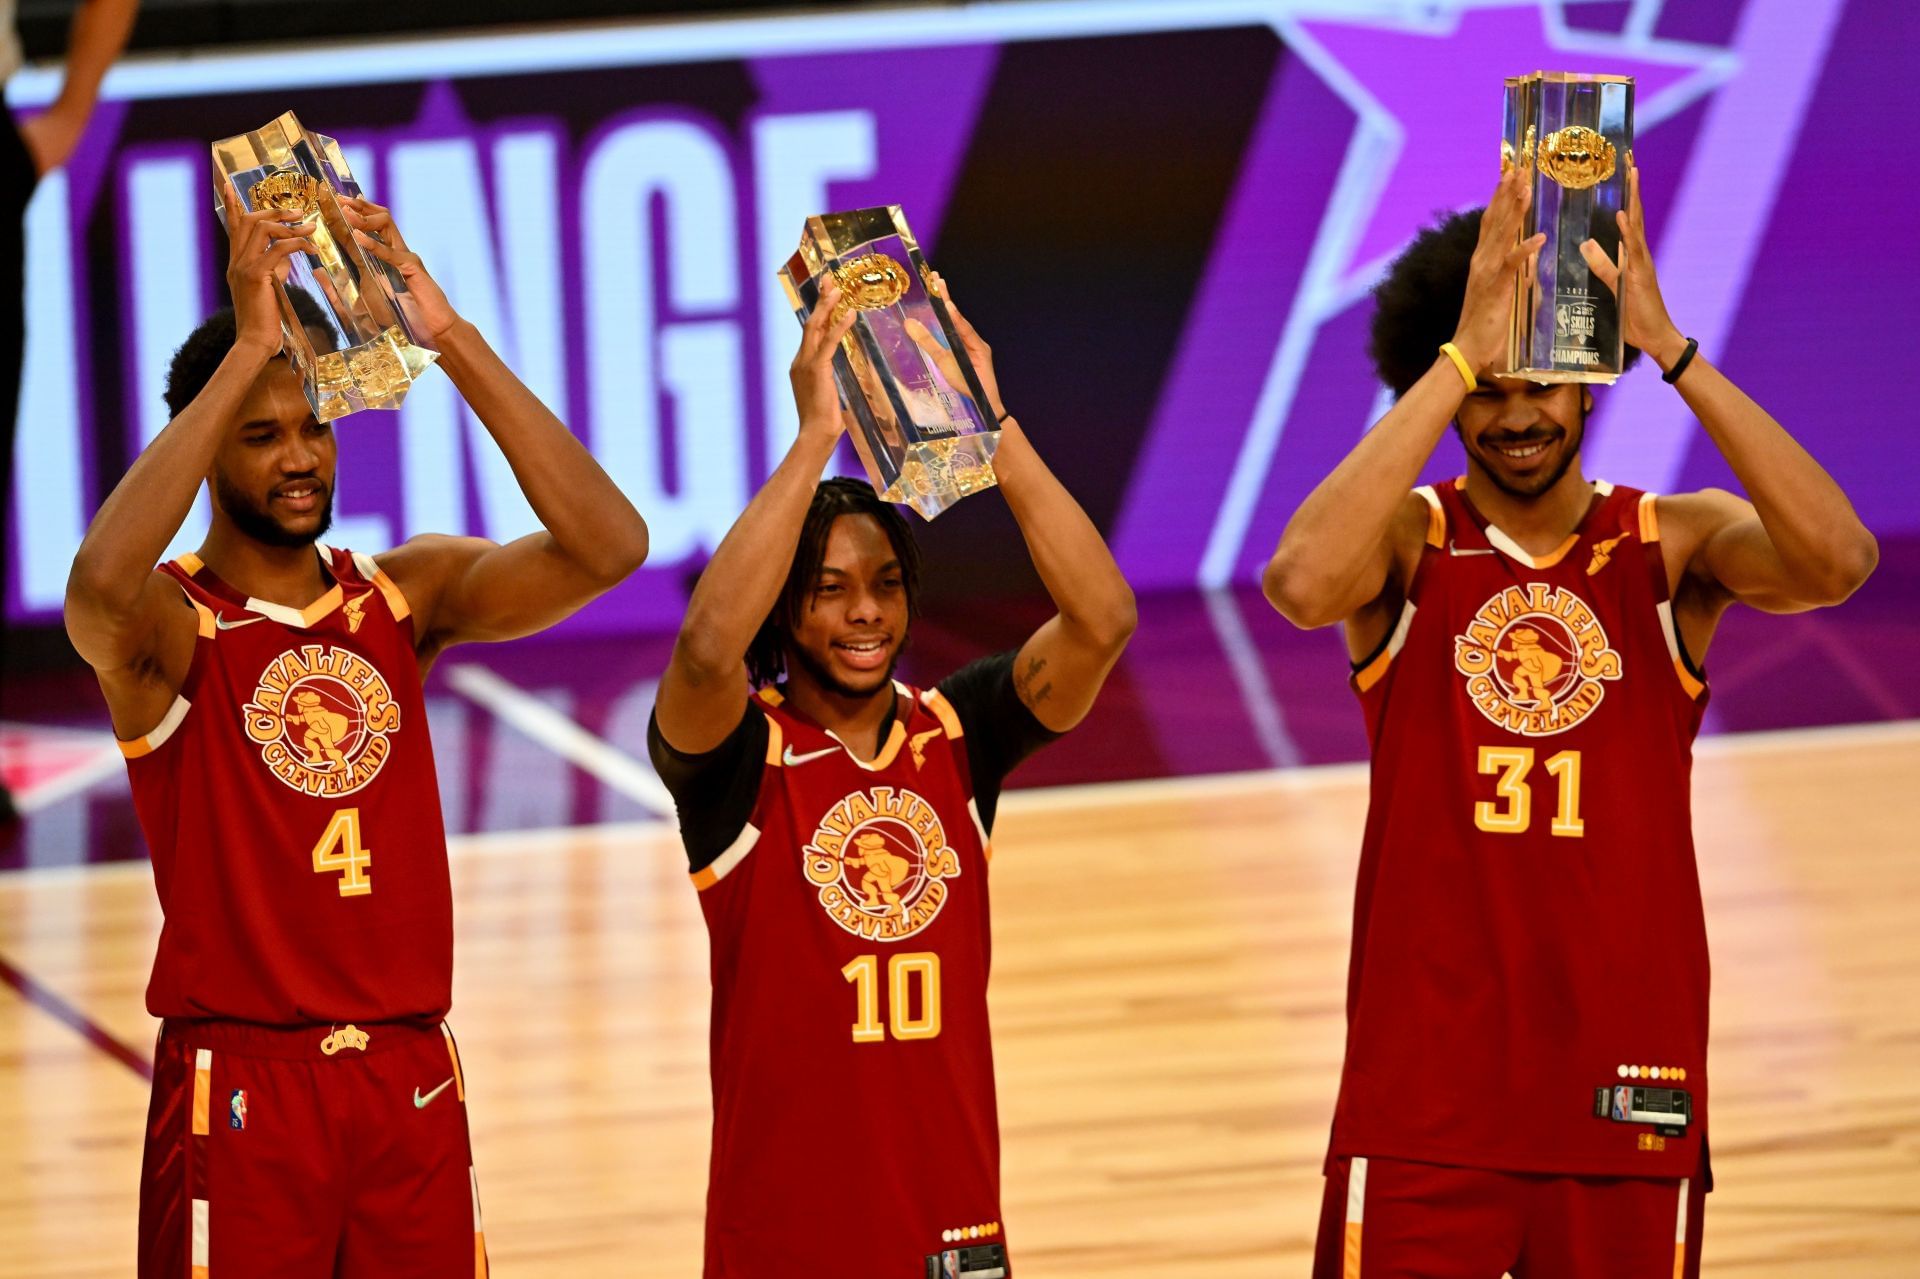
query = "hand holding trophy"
{"x": 1571, "y": 136}
{"x": 352, "y": 321}
{"x": 922, "y": 421}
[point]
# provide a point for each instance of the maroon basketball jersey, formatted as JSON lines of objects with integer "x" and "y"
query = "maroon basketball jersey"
{"x": 854, "y": 1126}
{"x": 1528, "y": 983}
{"x": 290, "y": 805}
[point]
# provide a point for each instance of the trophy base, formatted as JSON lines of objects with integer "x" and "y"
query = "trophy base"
{"x": 373, "y": 375}
{"x": 1556, "y": 377}
{"x": 934, "y": 474}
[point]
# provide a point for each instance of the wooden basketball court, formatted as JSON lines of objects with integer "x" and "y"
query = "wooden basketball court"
{"x": 1167, "y": 1005}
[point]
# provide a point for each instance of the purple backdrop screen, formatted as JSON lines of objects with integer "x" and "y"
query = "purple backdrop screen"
{"x": 1166, "y": 219}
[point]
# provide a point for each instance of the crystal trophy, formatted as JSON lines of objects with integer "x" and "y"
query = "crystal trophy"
{"x": 923, "y": 428}
{"x": 350, "y": 325}
{"x": 1578, "y": 132}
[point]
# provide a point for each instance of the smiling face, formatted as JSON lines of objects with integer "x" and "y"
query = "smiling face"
{"x": 273, "y": 476}
{"x": 1521, "y": 435}
{"x": 848, "y": 635}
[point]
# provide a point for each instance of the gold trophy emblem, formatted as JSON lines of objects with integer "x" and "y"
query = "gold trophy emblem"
{"x": 289, "y": 191}
{"x": 872, "y": 282}
{"x": 1577, "y": 157}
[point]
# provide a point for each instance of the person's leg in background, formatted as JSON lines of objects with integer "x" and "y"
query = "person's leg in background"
{"x": 17, "y": 179}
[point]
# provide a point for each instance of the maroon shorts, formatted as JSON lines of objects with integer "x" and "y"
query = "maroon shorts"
{"x": 267, "y": 1154}
{"x": 1393, "y": 1219}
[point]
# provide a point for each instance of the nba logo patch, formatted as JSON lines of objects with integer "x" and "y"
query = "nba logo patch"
{"x": 238, "y": 1106}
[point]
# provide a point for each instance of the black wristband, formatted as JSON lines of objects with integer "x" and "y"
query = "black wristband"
{"x": 1002, "y": 419}
{"x": 1672, "y": 375}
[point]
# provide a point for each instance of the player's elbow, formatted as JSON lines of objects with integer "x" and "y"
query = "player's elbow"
{"x": 1848, "y": 564}
{"x": 1114, "y": 622}
{"x": 617, "y": 556}
{"x": 1298, "y": 591}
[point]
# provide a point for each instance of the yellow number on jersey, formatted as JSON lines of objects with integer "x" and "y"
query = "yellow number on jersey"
{"x": 340, "y": 850}
{"x": 864, "y": 973}
{"x": 1512, "y": 812}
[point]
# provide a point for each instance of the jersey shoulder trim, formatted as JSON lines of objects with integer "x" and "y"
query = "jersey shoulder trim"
{"x": 139, "y": 746}
{"x": 775, "y": 739}
{"x": 1371, "y": 671}
{"x": 980, "y": 828}
{"x": 942, "y": 709}
{"x": 1649, "y": 518}
{"x": 1436, "y": 516}
{"x": 396, "y": 602}
{"x": 723, "y": 865}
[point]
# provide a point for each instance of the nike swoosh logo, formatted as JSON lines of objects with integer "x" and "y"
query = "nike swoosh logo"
{"x": 793, "y": 759}
{"x": 421, "y": 1103}
{"x": 221, "y": 622}
{"x": 1454, "y": 550}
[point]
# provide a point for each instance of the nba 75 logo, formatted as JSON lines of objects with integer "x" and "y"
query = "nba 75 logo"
{"x": 321, "y": 717}
{"x": 880, "y": 859}
{"x": 1535, "y": 658}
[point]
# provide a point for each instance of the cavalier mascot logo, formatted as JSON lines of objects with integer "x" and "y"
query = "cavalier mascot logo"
{"x": 321, "y": 717}
{"x": 881, "y": 863}
{"x": 1536, "y": 659}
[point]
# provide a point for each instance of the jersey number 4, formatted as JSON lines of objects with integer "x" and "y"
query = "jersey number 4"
{"x": 340, "y": 850}
{"x": 904, "y": 972}
{"x": 1512, "y": 811}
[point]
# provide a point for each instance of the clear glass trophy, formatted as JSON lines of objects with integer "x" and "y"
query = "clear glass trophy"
{"x": 349, "y": 322}
{"x": 1578, "y": 131}
{"x": 924, "y": 430}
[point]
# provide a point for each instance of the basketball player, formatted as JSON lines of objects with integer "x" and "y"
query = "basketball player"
{"x": 837, "y": 823}
{"x": 308, "y": 1113}
{"x": 1528, "y": 940}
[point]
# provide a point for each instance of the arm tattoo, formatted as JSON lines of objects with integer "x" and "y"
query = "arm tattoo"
{"x": 1024, "y": 683}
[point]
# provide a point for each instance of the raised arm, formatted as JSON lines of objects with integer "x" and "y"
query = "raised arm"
{"x": 97, "y": 35}
{"x": 1338, "y": 551}
{"x": 704, "y": 690}
{"x": 118, "y": 612}
{"x": 1062, "y": 665}
{"x": 468, "y": 588}
{"x": 1798, "y": 543}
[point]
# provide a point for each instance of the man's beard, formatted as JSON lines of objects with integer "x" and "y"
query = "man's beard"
{"x": 258, "y": 523}
{"x": 1535, "y": 487}
{"x": 817, "y": 671}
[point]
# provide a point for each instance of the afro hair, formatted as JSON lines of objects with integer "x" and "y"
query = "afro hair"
{"x": 1417, "y": 305}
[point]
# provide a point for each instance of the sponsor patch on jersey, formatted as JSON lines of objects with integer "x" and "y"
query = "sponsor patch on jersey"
{"x": 1536, "y": 659}
{"x": 881, "y": 863}
{"x": 1669, "y": 1110}
{"x": 237, "y": 1109}
{"x": 322, "y": 717}
{"x": 987, "y": 1261}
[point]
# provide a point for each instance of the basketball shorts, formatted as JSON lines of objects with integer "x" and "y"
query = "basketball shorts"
{"x": 308, "y": 1153}
{"x": 1394, "y": 1219}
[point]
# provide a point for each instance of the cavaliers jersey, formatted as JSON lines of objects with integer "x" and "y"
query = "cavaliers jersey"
{"x": 290, "y": 805}
{"x": 1527, "y": 989}
{"x": 854, "y": 1130}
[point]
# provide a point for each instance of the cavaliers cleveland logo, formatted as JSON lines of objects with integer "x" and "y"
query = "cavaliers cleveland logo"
{"x": 1535, "y": 659}
{"x": 880, "y": 860}
{"x": 321, "y": 717}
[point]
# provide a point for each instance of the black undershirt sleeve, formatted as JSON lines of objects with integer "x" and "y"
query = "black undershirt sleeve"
{"x": 713, "y": 792}
{"x": 1000, "y": 730}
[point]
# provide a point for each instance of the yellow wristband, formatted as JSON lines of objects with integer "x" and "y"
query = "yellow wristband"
{"x": 1452, "y": 352}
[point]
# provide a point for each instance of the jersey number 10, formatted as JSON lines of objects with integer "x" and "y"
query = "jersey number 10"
{"x": 921, "y": 968}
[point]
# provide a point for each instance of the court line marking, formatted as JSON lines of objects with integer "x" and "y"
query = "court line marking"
{"x": 1043, "y": 799}
{"x": 564, "y": 737}
{"x": 69, "y": 1015}
{"x": 1040, "y": 800}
